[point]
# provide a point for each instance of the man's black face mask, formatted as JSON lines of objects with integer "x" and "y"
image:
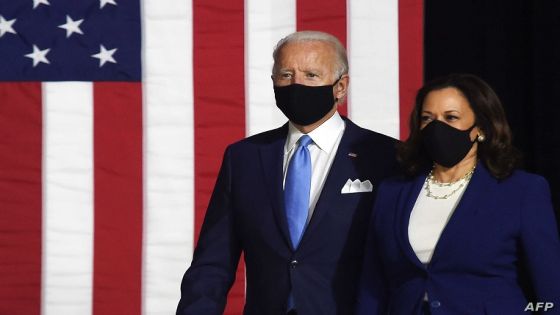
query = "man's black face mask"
{"x": 304, "y": 105}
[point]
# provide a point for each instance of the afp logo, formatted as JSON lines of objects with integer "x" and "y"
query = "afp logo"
{"x": 539, "y": 306}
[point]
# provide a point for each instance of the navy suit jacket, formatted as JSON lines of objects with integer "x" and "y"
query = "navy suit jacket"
{"x": 500, "y": 233}
{"x": 246, "y": 214}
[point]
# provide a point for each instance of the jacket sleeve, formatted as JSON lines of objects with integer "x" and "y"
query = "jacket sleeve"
{"x": 212, "y": 272}
{"x": 372, "y": 292}
{"x": 540, "y": 243}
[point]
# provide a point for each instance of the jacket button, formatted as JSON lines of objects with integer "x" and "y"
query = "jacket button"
{"x": 293, "y": 264}
{"x": 435, "y": 304}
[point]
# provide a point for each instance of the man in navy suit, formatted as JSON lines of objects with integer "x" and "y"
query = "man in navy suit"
{"x": 297, "y": 262}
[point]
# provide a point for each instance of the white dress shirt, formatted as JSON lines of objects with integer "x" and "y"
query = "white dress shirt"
{"x": 326, "y": 139}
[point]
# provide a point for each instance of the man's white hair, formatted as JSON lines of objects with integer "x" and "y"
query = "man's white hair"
{"x": 311, "y": 36}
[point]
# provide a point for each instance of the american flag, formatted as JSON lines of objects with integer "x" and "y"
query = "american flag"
{"x": 114, "y": 115}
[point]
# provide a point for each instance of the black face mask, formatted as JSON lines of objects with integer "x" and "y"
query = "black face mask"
{"x": 446, "y": 145}
{"x": 302, "y": 104}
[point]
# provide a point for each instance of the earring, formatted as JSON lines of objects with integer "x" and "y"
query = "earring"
{"x": 480, "y": 138}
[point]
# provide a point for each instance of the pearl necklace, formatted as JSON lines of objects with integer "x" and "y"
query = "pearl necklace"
{"x": 431, "y": 180}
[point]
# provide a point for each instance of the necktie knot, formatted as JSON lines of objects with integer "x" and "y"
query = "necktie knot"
{"x": 305, "y": 140}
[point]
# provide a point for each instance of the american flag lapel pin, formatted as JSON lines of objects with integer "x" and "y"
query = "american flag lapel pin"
{"x": 352, "y": 155}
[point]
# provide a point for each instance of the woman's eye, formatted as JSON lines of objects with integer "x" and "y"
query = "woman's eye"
{"x": 425, "y": 118}
{"x": 451, "y": 117}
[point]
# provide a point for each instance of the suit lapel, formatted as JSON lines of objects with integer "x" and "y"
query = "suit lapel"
{"x": 272, "y": 158}
{"x": 477, "y": 189}
{"x": 406, "y": 202}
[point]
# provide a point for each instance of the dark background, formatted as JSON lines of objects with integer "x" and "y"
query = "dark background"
{"x": 514, "y": 45}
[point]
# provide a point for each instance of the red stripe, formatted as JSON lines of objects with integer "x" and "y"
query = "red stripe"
{"x": 20, "y": 198}
{"x": 411, "y": 43}
{"x": 326, "y": 16}
{"x": 219, "y": 103}
{"x": 117, "y": 263}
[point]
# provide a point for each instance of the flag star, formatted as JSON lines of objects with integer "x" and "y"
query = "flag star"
{"x": 36, "y": 3}
{"x": 72, "y": 26}
{"x": 102, "y": 3}
{"x": 105, "y": 55}
{"x": 6, "y": 26}
{"x": 38, "y": 55}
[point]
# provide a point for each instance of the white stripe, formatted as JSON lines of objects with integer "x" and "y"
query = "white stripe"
{"x": 168, "y": 151}
{"x": 67, "y": 198}
{"x": 265, "y": 23}
{"x": 374, "y": 64}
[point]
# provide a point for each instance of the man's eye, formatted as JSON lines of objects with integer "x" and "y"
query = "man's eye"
{"x": 284, "y": 76}
{"x": 311, "y": 75}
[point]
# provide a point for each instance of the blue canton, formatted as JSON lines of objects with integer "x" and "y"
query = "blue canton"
{"x": 72, "y": 40}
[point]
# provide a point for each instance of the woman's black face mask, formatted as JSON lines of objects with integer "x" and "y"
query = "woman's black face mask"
{"x": 446, "y": 145}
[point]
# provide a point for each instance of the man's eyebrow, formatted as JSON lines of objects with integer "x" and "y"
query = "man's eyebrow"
{"x": 285, "y": 70}
{"x": 314, "y": 70}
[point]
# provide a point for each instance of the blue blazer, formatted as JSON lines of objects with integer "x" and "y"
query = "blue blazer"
{"x": 246, "y": 214}
{"x": 500, "y": 233}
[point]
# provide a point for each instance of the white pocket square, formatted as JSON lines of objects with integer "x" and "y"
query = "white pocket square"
{"x": 356, "y": 186}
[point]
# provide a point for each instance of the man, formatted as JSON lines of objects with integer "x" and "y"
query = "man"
{"x": 295, "y": 200}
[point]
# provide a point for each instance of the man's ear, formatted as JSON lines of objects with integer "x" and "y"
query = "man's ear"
{"x": 340, "y": 89}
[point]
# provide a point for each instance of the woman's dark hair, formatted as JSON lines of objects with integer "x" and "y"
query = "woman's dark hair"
{"x": 496, "y": 151}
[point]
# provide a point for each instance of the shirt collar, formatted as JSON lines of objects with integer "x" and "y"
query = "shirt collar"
{"x": 324, "y": 136}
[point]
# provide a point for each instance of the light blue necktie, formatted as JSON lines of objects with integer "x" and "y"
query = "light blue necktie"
{"x": 297, "y": 188}
{"x": 296, "y": 195}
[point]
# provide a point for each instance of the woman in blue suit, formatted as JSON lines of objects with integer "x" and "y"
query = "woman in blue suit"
{"x": 462, "y": 232}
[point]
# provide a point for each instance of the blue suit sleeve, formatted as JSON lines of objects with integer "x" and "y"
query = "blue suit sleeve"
{"x": 540, "y": 243}
{"x": 372, "y": 294}
{"x": 212, "y": 272}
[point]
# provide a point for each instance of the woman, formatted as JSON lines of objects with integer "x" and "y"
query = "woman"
{"x": 464, "y": 229}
